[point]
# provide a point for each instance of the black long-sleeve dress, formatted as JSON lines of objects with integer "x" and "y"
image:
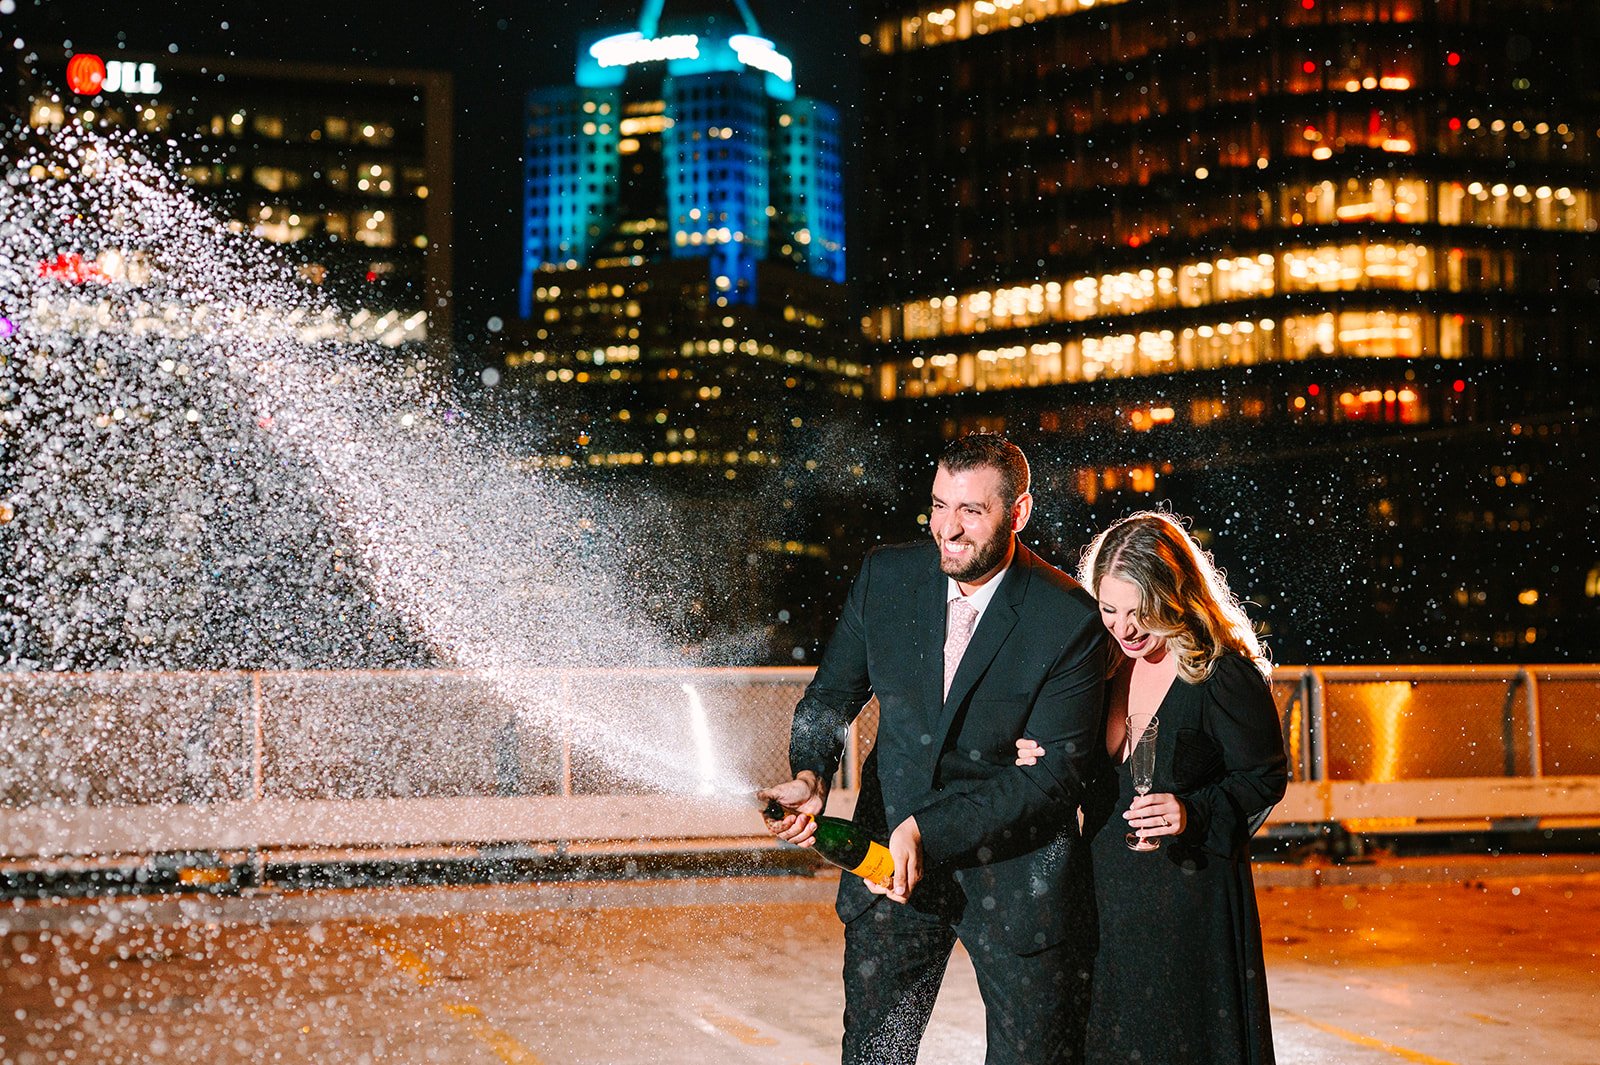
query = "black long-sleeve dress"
{"x": 1179, "y": 976}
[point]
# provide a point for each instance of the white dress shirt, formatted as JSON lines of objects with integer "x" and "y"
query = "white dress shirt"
{"x": 978, "y": 600}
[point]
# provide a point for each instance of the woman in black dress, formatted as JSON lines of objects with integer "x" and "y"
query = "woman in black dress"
{"x": 1178, "y": 977}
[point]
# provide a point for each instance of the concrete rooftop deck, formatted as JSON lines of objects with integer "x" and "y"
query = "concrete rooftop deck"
{"x": 1452, "y": 961}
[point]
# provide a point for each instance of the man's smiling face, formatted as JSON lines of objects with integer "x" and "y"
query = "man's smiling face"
{"x": 972, "y": 523}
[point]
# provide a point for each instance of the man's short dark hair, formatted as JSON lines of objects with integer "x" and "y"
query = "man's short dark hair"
{"x": 978, "y": 450}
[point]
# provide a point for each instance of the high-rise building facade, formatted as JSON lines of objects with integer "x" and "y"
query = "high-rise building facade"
{"x": 683, "y": 247}
{"x": 1325, "y": 272}
{"x": 348, "y": 166}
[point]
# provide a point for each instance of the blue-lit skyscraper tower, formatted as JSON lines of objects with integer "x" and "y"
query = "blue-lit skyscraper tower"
{"x": 683, "y": 248}
{"x": 684, "y": 314}
{"x": 683, "y": 139}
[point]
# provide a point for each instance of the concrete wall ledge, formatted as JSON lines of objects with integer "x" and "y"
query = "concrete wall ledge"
{"x": 58, "y": 832}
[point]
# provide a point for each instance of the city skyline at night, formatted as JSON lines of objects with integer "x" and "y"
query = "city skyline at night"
{"x": 1320, "y": 273}
{"x": 493, "y": 55}
{"x": 684, "y": 320}
{"x": 790, "y": 531}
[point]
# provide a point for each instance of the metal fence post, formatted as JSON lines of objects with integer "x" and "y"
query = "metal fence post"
{"x": 1530, "y": 688}
{"x": 1317, "y": 724}
{"x": 852, "y": 775}
{"x": 1508, "y": 723}
{"x": 566, "y": 740}
{"x": 257, "y": 741}
{"x": 256, "y": 859}
{"x": 1299, "y": 726}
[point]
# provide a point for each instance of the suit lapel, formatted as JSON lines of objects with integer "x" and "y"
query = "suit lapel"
{"x": 999, "y": 618}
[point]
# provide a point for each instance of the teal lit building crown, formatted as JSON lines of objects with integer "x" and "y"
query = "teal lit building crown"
{"x": 682, "y": 138}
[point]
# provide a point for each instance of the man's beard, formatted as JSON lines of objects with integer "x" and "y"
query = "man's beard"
{"x": 984, "y": 558}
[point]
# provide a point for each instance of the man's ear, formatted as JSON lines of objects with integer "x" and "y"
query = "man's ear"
{"x": 1021, "y": 511}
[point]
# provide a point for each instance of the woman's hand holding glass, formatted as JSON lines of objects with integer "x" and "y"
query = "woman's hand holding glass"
{"x": 1158, "y": 814}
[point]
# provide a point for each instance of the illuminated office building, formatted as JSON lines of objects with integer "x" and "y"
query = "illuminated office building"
{"x": 1294, "y": 264}
{"x": 348, "y": 165}
{"x": 683, "y": 253}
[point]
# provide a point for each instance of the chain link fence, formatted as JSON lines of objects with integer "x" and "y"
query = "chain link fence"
{"x": 1567, "y": 739}
{"x": 124, "y": 739}
{"x": 105, "y": 745}
{"x": 1384, "y": 726}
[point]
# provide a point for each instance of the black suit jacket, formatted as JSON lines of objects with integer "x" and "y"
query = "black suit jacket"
{"x": 1001, "y": 840}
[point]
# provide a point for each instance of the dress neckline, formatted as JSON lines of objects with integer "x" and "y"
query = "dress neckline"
{"x": 1126, "y": 673}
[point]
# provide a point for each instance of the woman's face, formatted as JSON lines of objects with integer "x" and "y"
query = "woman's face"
{"x": 1119, "y": 609}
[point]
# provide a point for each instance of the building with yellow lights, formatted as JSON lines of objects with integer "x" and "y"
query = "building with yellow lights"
{"x": 348, "y": 167}
{"x": 1324, "y": 272}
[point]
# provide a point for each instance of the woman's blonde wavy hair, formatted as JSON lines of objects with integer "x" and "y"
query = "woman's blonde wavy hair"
{"x": 1183, "y": 597}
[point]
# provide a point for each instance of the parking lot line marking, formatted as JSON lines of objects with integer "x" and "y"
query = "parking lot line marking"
{"x": 747, "y": 1034}
{"x": 503, "y": 1044}
{"x": 1403, "y": 1053}
{"x": 406, "y": 960}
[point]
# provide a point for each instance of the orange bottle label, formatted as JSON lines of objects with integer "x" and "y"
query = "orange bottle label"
{"x": 877, "y": 866}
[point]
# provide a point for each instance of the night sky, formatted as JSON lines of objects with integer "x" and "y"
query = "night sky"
{"x": 495, "y": 52}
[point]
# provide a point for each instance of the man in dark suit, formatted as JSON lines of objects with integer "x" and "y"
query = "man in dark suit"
{"x": 968, "y": 642}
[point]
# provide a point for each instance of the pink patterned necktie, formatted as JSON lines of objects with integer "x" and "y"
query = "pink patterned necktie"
{"x": 961, "y": 619}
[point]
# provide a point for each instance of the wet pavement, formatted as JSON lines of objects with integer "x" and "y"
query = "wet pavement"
{"x": 739, "y": 971}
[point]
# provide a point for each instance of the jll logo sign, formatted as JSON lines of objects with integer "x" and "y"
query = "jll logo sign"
{"x": 89, "y": 75}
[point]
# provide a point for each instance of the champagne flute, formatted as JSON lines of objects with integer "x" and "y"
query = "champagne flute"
{"x": 1142, "y": 763}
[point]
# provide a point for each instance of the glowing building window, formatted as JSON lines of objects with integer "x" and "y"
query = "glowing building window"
{"x": 646, "y": 124}
{"x": 153, "y": 117}
{"x": 1498, "y": 203}
{"x": 47, "y": 115}
{"x": 959, "y": 20}
{"x": 281, "y": 225}
{"x": 276, "y": 179}
{"x": 1240, "y": 342}
{"x": 1346, "y": 267}
{"x": 375, "y": 228}
{"x": 1402, "y": 405}
{"x": 375, "y": 179}
{"x": 1357, "y": 200}
{"x": 201, "y": 175}
{"x": 1333, "y": 268}
{"x": 1359, "y": 334}
{"x": 372, "y": 132}
{"x": 268, "y": 125}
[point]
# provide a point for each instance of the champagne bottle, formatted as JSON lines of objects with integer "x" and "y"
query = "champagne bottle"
{"x": 845, "y": 845}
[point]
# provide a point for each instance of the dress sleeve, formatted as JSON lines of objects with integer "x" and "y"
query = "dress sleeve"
{"x": 1240, "y": 715}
